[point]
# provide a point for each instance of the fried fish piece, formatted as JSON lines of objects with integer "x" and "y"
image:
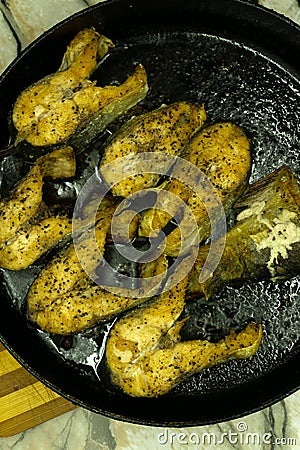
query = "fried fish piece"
{"x": 82, "y": 308}
{"x": 66, "y": 270}
{"x": 222, "y": 153}
{"x": 32, "y": 241}
{"x": 76, "y": 304}
{"x": 146, "y": 356}
{"x": 66, "y": 105}
{"x": 265, "y": 241}
{"x": 26, "y": 199}
{"x": 164, "y": 130}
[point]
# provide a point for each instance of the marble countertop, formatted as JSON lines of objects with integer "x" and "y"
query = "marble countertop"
{"x": 275, "y": 427}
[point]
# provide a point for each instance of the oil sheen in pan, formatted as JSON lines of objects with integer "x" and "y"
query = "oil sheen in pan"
{"x": 238, "y": 84}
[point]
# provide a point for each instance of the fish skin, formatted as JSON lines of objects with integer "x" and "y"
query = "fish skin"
{"x": 67, "y": 106}
{"x": 222, "y": 153}
{"x": 25, "y": 201}
{"x": 146, "y": 356}
{"x": 244, "y": 258}
{"x": 164, "y": 130}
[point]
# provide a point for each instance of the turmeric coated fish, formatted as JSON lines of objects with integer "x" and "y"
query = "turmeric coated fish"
{"x": 66, "y": 271}
{"x": 64, "y": 300}
{"x": 80, "y": 309}
{"x": 32, "y": 241}
{"x": 222, "y": 153}
{"x": 164, "y": 130}
{"x": 66, "y": 104}
{"x": 23, "y": 237}
{"x": 265, "y": 241}
{"x": 146, "y": 356}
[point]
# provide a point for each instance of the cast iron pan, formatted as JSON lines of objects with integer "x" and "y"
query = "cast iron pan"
{"x": 243, "y": 63}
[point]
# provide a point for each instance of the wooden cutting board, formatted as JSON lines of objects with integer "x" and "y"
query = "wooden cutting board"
{"x": 24, "y": 401}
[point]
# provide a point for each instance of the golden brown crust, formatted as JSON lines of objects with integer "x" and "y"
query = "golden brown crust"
{"x": 164, "y": 130}
{"x": 53, "y": 109}
{"x": 147, "y": 358}
{"x": 222, "y": 153}
{"x": 25, "y": 201}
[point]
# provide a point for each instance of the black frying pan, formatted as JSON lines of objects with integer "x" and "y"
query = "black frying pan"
{"x": 243, "y": 63}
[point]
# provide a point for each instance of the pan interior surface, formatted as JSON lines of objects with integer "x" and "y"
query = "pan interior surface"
{"x": 236, "y": 81}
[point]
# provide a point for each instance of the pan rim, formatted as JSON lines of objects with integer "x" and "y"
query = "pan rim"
{"x": 106, "y": 3}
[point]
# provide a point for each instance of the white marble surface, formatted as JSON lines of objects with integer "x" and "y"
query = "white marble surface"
{"x": 276, "y": 427}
